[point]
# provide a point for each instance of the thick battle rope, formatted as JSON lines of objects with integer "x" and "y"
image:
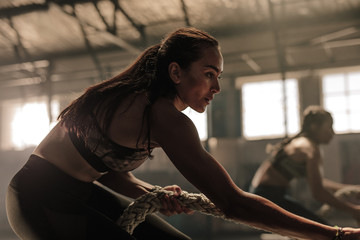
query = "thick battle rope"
{"x": 149, "y": 203}
{"x": 350, "y": 194}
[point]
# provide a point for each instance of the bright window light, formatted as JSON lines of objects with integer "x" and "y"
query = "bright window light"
{"x": 30, "y": 125}
{"x": 341, "y": 94}
{"x": 200, "y": 121}
{"x": 263, "y": 108}
{"x": 25, "y": 124}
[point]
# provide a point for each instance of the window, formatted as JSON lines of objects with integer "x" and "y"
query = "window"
{"x": 264, "y": 108}
{"x": 25, "y": 124}
{"x": 341, "y": 94}
{"x": 200, "y": 121}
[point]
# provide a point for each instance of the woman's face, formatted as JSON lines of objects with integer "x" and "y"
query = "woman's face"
{"x": 197, "y": 85}
{"x": 324, "y": 133}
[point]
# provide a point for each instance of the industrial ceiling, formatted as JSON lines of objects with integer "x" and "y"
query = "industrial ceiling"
{"x": 63, "y": 41}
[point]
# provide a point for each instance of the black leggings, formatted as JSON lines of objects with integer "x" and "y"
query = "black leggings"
{"x": 279, "y": 196}
{"x": 44, "y": 203}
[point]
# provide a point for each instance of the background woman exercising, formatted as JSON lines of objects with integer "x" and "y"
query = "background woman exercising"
{"x": 300, "y": 157}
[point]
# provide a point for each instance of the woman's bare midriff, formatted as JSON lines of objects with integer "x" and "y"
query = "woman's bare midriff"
{"x": 267, "y": 175}
{"x": 58, "y": 149}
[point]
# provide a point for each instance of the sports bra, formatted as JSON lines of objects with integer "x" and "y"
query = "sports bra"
{"x": 287, "y": 166}
{"x": 103, "y": 154}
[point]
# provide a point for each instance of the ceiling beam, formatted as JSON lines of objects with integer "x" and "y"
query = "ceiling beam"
{"x": 22, "y": 9}
{"x": 28, "y": 66}
{"x": 251, "y": 63}
{"x": 139, "y": 27}
{"x": 21, "y": 53}
{"x": 185, "y": 11}
{"x": 88, "y": 46}
{"x": 342, "y": 43}
{"x": 109, "y": 36}
{"x": 280, "y": 48}
{"x": 281, "y": 57}
{"x": 334, "y": 35}
{"x": 112, "y": 29}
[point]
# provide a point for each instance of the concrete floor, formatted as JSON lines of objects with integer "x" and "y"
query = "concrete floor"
{"x": 6, "y": 235}
{"x": 240, "y": 236}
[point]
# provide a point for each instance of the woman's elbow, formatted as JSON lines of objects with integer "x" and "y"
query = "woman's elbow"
{"x": 230, "y": 202}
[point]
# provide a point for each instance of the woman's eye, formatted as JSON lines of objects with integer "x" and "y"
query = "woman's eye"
{"x": 210, "y": 75}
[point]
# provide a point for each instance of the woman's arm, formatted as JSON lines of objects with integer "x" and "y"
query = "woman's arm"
{"x": 179, "y": 139}
{"x": 334, "y": 186}
{"x": 319, "y": 186}
{"x": 125, "y": 183}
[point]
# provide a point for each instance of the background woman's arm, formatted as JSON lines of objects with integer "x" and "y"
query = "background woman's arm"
{"x": 334, "y": 186}
{"x": 319, "y": 187}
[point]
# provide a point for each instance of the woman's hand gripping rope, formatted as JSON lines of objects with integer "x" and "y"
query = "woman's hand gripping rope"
{"x": 162, "y": 200}
{"x": 170, "y": 203}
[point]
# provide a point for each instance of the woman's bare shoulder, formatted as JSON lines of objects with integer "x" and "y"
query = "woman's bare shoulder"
{"x": 168, "y": 122}
{"x": 305, "y": 147}
{"x": 164, "y": 112}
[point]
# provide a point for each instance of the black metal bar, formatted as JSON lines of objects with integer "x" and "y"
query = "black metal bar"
{"x": 111, "y": 29}
{"x": 281, "y": 60}
{"x": 89, "y": 47}
{"x": 20, "y": 10}
{"x": 139, "y": 27}
{"x": 186, "y": 15}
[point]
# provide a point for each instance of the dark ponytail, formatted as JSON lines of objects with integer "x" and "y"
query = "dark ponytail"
{"x": 102, "y": 99}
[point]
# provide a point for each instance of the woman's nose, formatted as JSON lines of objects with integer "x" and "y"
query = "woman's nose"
{"x": 216, "y": 88}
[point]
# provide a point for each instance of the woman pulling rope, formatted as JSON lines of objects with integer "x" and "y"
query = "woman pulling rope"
{"x": 112, "y": 128}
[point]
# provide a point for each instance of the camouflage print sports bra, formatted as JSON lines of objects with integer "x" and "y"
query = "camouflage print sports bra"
{"x": 104, "y": 154}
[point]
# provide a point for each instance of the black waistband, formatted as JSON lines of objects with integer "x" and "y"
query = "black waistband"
{"x": 39, "y": 175}
{"x": 90, "y": 157}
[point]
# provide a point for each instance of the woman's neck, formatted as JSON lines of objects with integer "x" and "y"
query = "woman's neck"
{"x": 310, "y": 137}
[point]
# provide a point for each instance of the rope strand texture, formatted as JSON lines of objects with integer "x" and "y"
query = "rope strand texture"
{"x": 150, "y": 203}
{"x": 349, "y": 194}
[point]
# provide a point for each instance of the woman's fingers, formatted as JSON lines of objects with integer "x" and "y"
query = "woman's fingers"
{"x": 171, "y": 205}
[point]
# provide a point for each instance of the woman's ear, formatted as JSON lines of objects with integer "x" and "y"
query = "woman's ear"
{"x": 174, "y": 72}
